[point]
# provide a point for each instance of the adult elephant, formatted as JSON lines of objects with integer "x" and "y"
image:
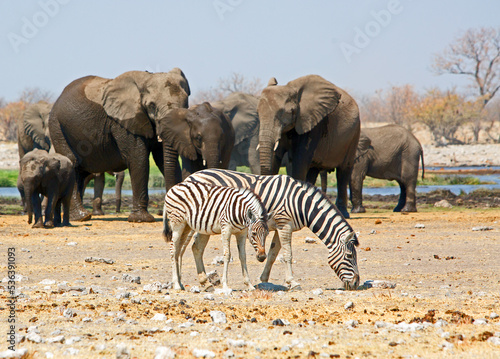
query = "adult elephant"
{"x": 202, "y": 135}
{"x": 389, "y": 152}
{"x": 112, "y": 124}
{"x": 316, "y": 123}
{"x": 241, "y": 108}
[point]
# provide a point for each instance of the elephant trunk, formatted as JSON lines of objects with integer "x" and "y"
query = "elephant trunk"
{"x": 28, "y": 194}
{"x": 171, "y": 168}
{"x": 267, "y": 146}
{"x": 212, "y": 158}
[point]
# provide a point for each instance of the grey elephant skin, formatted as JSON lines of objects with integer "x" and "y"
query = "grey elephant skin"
{"x": 316, "y": 123}
{"x": 52, "y": 176}
{"x": 33, "y": 132}
{"x": 241, "y": 108}
{"x": 202, "y": 135}
{"x": 389, "y": 152}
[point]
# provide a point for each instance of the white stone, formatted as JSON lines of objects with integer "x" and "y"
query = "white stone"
{"x": 122, "y": 352}
{"x": 310, "y": 240}
{"x": 73, "y": 340}
{"x": 224, "y": 291}
{"x": 34, "y": 337}
{"x": 480, "y": 322}
{"x": 218, "y": 316}
{"x": 164, "y": 353}
{"x": 194, "y": 289}
{"x": 48, "y": 282}
{"x": 159, "y": 317}
{"x": 420, "y": 225}
{"x": 239, "y": 343}
{"x": 58, "y": 339}
{"x": 153, "y": 287}
{"x": 71, "y": 351}
{"x": 71, "y": 244}
{"x": 203, "y": 353}
{"x": 349, "y": 305}
{"x": 443, "y": 204}
{"x": 208, "y": 296}
{"x": 493, "y": 315}
{"x": 494, "y": 340}
{"x": 17, "y": 354}
{"x": 352, "y": 323}
{"x": 317, "y": 291}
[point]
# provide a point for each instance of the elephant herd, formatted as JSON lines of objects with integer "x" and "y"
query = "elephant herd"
{"x": 109, "y": 125}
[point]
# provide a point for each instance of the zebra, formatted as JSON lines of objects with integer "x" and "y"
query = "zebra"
{"x": 295, "y": 204}
{"x": 210, "y": 209}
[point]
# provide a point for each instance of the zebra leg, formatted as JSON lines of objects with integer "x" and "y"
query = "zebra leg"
{"x": 178, "y": 237}
{"x": 286, "y": 237}
{"x": 241, "y": 241}
{"x": 185, "y": 245}
{"x": 271, "y": 257}
{"x": 225, "y": 237}
{"x": 198, "y": 248}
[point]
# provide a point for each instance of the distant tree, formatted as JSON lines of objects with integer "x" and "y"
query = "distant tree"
{"x": 36, "y": 94}
{"x": 233, "y": 83}
{"x": 474, "y": 54}
{"x": 9, "y": 115}
{"x": 443, "y": 113}
{"x": 393, "y": 105}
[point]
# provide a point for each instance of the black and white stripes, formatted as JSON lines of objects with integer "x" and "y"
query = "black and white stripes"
{"x": 296, "y": 204}
{"x": 210, "y": 209}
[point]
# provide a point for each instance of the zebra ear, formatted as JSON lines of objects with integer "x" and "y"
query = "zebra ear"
{"x": 347, "y": 237}
{"x": 270, "y": 215}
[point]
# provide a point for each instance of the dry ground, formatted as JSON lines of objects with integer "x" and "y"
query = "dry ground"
{"x": 443, "y": 271}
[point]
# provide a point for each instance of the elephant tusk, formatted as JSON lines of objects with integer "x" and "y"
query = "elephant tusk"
{"x": 257, "y": 148}
{"x": 204, "y": 163}
{"x": 276, "y": 145}
{"x": 159, "y": 139}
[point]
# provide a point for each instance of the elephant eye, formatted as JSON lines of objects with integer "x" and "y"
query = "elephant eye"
{"x": 197, "y": 140}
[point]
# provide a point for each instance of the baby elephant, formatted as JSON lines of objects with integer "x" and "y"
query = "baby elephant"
{"x": 51, "y": 175}
{"x": 389, "y": 152}
{"x": 209, "y": 209}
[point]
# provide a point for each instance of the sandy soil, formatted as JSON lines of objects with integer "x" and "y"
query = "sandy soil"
{"x": 447, "y": 292}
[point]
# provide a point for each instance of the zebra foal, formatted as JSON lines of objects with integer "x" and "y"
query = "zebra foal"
{"x": 210, "y": 209}
{"x": 293, "y": 205}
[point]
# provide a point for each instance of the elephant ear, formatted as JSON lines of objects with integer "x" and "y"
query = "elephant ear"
{"x": 363, "y": 145}
{"x": 317, "y": 99}
{"x": 174, "y": 129}
{"x": 121, "y": 100}
{"x": 34, "y": 126}
{"x": 241, "y": 109}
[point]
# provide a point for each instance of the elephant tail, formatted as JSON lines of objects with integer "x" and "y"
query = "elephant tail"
{"x": 423, "y": 167}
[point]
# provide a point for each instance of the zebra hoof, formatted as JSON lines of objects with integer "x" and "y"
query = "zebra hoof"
{"x": 209, "y": 288}
{"x": 295, "y": 287}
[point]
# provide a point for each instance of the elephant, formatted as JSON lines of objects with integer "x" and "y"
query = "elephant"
{"x": 33, "y": 128}
{"x": 52, "y": 176}
{"x": 241, "y": 108}
{"x": 202, "y": 135}
{"x": 316, "y": 123}
{"x": 33, "y": 132}
{"x": 105, "y": 124}
{"x": 389, "y": 152}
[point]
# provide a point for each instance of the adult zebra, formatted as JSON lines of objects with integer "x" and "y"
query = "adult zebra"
{"x": 294, "y": 204}
{"x": 210, "y": 209}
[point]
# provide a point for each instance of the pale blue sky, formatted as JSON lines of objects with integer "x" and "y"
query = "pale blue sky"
{"x": 354, "y": 44}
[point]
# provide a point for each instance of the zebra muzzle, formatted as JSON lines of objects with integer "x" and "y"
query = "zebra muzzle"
{"x": 261, "y": 256}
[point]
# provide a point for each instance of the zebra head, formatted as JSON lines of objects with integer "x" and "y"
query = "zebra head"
{"x": 258, "y": 231}
{"x": 347, "y": 266}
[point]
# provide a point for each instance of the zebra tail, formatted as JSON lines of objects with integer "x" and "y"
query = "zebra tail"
{"x": 167, "y": 230}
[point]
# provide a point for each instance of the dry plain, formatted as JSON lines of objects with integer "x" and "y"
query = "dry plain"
{"x": 447, "y": 292}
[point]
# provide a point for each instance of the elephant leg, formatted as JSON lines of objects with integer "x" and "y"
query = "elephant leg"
{"x": 356, "y": 195}
{"x": 312, "y": 175}
{"x": 324, "y": 180}
{"x": 57, "y": 213}
{"x": 402, "y": 197}
{"x": 343, "y": 176}
{"x": 49, "y": 211}
{"x": 274, "y": 249}
{"x": 120, "y": 176}
{"x": 78, "y": 212}
{"x": 99, "y": 181}
{"x": 139, "y": 175}
{"x": 411, "y": 196}
{"x": 37, "y": 209}
{"x": 66, "y": 204}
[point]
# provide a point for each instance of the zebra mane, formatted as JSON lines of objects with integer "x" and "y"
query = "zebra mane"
{"x": 259, "y": 202}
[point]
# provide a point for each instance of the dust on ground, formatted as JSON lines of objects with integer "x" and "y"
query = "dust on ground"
{"x": 447, "y": 292}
